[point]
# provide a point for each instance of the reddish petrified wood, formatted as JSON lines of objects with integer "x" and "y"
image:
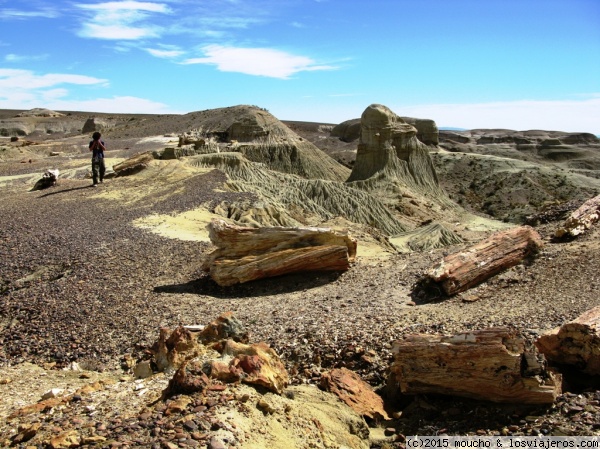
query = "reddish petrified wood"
{"x": 575, "y": 343}
{"x": 244, "y": 254}
{"x": 494, "y": 364}
{"x": 460, "y": 271}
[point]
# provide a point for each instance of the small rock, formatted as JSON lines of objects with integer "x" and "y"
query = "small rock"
{"x": 214, "y": 443}
{"x": 55, "y": 392}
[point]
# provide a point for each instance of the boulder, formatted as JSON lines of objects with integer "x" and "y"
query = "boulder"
{"x": 427, "y": 130}
{"x": 347, "y": 131}
{"x": 255, "y": 364}
{"x": 49, "y": 179}
{"x": 225, "y": 327}
{"x": 93, "y": 124}
{"x": 173, "y": 348}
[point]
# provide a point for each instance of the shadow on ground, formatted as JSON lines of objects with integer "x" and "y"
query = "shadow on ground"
{"x": 427, "y": 291}
{"x": 265, "y": 287}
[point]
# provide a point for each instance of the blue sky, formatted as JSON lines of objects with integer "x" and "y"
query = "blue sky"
{"x": 518, "y": 64}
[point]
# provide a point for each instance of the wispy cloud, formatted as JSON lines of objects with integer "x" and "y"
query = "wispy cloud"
{"x": 257, "y": 61}
{"x": 125, "y": 20}
{"x": 10, "y": 13}
{"x": 560, "y": 115}
{"x": 166, "y": 52}
{"x": 23, "y": 89}
{"x": 22, "y": 58}
{"x": 27, "y": 80}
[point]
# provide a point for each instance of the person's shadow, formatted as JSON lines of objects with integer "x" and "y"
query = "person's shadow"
{"x": 288, "y": 283}
{"x": 56, "y": 192}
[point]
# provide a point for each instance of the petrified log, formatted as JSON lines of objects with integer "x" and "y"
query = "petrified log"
{"x": 460, "y": 271}
{"x": 493, "y": 364}
{"x": 134, "y": 164}
{"x": 355, "y": 392}
{"x": 244, "y": 254}
{"x": 575, "y": 343}
{"x": 581, "y": 220}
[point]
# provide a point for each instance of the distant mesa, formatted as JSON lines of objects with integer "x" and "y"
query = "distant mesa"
{"x": 40, "y": 112}
{"x": 94, "y": 124}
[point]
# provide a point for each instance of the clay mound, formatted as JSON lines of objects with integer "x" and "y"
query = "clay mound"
{"x": 288, "y": 200}
{"x": 261, "y": 138}
{"x": 432, "y": 236}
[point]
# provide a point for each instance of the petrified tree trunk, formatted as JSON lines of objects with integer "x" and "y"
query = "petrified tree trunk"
{"x": 575, "y": 343}
{"x": 134, "y": 164}
{"x": 492, "y": 364}
{"x": 581, "y": 220}
{"x": 463, "y": 270}
{"x": 244, "y": 254}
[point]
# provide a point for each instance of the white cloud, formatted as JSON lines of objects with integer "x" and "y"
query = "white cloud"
{"x": 165, "y": 52}
{"x": 558, "y": 115}
{"x": 27, "y": 80}
{"x": 116, "y": 105}
{"x": 11, "y": 57}
{"x": 121, "y": 20}
{"x": 256, "y": 61}
{"x": 8, "y": 13}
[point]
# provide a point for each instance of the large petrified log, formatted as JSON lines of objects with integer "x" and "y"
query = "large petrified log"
{"x": 244, "y": 254}
{"x": 581, "y": 220}
{"x": 493, "y": 364}
{"x": 134, "y": 164}
{"x": 575, "y": 343}
{"x": 460, "y": 271}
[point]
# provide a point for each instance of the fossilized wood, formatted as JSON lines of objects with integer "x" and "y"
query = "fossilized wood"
{"x": 355, "y": 392}
{"x": 134, "y": 164}
{"x": 244, "y": 254}
{"x": 581, "y": 220}
{"x": 460, "y": 271}
{"x": 493, "y": 364}
{"x": 575, "y": 343}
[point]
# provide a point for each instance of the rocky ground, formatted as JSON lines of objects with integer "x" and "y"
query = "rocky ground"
{"x": 80, "y": 283}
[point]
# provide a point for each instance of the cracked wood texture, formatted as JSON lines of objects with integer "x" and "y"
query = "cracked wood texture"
{"x": 575, "y": 343}
{"x": 581, "y": 220}
{"x": 494, "y": 364}
{"x": 460, "y": 271}
{"x": 244, "y": 254}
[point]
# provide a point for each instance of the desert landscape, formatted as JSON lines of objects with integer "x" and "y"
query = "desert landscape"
{"x": 114, "y": 331}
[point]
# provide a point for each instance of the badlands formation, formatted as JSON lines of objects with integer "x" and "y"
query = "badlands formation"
{"x": 97, "y": 284}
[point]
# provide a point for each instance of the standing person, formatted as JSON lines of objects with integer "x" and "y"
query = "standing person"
{"x": 98, "y": 167}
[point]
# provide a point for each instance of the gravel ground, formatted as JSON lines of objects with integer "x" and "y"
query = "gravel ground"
{"x": 79, "y": 282}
